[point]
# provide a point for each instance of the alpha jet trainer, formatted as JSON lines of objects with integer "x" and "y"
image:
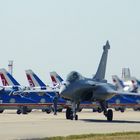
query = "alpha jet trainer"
{"x": 77, "y": 88}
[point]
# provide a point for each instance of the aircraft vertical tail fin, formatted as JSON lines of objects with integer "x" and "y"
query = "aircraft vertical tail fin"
{"x": 135, "y": 84}
{"x": 126, "y": 73}
{"x": 100, "y": 74}
{"x": 56, "y": 79}
{"x": 7, "y": 78}
{"x": 33, "y": 79}
{"x": 118, "y": 83}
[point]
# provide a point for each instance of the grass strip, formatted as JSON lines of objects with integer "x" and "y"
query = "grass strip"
{"x": 109, "y": 136}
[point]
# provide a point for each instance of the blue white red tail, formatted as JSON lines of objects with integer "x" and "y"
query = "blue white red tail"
{"x": 34, "y": 80}
{"x": 118, "y": 83}
{"x": 7, "y": 78}
{"x": 56, "y": 79}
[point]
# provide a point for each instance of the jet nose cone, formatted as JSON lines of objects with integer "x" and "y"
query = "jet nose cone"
{"x": 62, "y": 90}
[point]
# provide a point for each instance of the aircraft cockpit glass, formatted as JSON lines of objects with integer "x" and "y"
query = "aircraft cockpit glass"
{"x": 74, "y": 76}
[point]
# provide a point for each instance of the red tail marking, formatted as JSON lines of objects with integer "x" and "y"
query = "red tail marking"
{"x": 4, "y": 81}
{"x": 30, "y": 81}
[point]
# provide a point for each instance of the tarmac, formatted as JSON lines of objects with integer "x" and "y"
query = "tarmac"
{"x": 38, "y": 124}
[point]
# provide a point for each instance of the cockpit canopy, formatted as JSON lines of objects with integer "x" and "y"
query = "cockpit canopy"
{"x": 74, "y": 76}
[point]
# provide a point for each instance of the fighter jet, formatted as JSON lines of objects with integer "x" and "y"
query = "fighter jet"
{"x": 78, "y": 88}
{"x": 131, "y": 84}
{"x": 36, "y": 83}
{"x": 13, "y": 95}
{"x": 119, "y": 102}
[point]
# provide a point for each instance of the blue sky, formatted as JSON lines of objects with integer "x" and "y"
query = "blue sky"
{"x": 62, "y": 35}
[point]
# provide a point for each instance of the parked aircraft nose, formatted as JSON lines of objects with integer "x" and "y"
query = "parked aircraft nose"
{"x": 62, "y": 90}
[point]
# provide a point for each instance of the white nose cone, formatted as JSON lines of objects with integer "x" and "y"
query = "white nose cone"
{"x": 62, "y": 90}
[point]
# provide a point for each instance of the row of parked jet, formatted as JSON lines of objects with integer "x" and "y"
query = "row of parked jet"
{"x": 75, "y": 93}
{"x": 127, "y": 84}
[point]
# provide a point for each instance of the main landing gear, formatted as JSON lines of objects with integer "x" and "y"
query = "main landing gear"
{"x": 71, "y": 113}
{"x": 1, "y": 111}
{"x": 108, "y": 113}
{"x": 23, "y": 110}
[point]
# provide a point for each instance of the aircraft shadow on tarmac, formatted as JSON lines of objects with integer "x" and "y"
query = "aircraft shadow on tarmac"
{"x": 105, "y": 121}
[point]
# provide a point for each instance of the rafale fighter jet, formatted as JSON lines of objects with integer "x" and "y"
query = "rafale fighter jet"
{"x": 77, "y": 88}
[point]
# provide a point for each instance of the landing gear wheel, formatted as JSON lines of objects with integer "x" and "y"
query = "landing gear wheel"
{"x": 109, "y": 115}
{"x": 43, "y": 110}
{"x": 76, "y": 117}
{"x": 1, "y": 111}
{"x": 99, "y": 110}
{"x": 24, "y": 111}
{"x": 48, "y": 111}
{"x": 122, "y": 110}
{"x": 94, "y": 110}
{"x": 29, "y": 110}
{"x": 69, "y": 114}
{"x": 18, "y": 112}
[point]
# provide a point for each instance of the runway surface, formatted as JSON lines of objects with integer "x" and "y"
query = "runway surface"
{"x": 38, "y": 124}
